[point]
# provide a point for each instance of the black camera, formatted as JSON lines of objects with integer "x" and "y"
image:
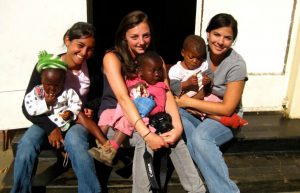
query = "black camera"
{"x": 162, "y": 122}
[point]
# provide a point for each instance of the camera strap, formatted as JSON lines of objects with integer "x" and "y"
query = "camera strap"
{"x": 150, "y": 169}
{"x": 163, "y": 156}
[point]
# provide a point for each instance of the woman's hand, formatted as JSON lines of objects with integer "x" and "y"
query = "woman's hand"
{"x": 182, "y": 101}
{"x": 88, "y": 112}
{"x": 155, "y": 142}
{"x": 56, "y": 139}
{"x": 194, "y": 112}
{"x": 172, "y": 136}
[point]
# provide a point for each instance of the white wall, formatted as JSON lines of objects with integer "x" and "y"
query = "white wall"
{"x": 26, "y": 27}
{"x": 293, "y": 97}
{"x": 264, "y": 30}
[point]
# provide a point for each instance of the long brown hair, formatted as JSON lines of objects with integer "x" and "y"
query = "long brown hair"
{"x": 128, "y": 22}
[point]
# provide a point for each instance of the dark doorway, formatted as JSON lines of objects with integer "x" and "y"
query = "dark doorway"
{"x": 171, "y": 20}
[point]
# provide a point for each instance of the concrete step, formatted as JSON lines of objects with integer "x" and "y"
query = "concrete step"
{"x": 263, "y": 158}
{"x": 253, "y": 173}
{"x": 52, "y": 177}
{"x": 266, "y": 132}
{"x": 265, "y": 172}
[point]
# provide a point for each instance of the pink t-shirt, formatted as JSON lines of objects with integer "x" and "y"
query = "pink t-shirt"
{"x": 79, "y": 81}
{"x": 158, "y": 91}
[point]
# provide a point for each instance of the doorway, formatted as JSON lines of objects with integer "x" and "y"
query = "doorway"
{"x": 171, "y": 20}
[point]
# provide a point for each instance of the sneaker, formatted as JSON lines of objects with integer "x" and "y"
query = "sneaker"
{"x": 103, "y": 153}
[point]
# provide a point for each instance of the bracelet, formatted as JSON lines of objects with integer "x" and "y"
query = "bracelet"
{"x": 146, "y": 135}
{"x": 137, "y": 121}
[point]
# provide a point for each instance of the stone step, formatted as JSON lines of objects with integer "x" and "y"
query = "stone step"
{"x": 265, "y": 172}
{"x": 264, "y": 157}
{"x": 253, "y": 173}
{"x": 266, "y": 132}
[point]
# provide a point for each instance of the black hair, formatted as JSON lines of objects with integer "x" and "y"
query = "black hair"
{"x": 80, "y": 30}
{"x": 194, "y": 42}
{"x": 60, "y": 72}
{"x": 148, "y": 55}
{"x": 223, "y": 20}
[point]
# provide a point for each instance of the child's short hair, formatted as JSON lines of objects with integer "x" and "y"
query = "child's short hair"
{"x": 50, "y": 61}
{"x": 194, "y": 41}
{"x": 149, "y": 54}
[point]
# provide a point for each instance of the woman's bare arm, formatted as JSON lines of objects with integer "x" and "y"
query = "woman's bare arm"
{"x": 172, "y": 136}
{"x": 231, "y": 99}
{"x": 112, "y": 69}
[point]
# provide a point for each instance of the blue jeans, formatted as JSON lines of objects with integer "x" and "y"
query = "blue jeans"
{"x": 203, "y": 141}
{"x": 76, "y": 144}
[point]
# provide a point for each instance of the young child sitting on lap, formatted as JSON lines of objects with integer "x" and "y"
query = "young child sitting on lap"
{"x": 148, "y": 92}
{"x": 192, "y": 77}
{"x": 63, "y": 106}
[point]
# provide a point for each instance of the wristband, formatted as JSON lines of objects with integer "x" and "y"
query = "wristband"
{"x": 146, "y": 135}
{"x": 137, "y": 121}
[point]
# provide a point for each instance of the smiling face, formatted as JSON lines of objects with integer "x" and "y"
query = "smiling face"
{"x": 78, "y": 50}
{"x": 220, "y": 40}
{"x": 138, "y": 39}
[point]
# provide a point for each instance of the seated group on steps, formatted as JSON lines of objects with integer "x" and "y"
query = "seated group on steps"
{"x": 143, "y": 103}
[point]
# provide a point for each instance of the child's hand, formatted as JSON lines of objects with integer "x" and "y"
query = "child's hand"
{"x": 50, "y": 99}
{"x": 205, "y": 80}
{"x": 66, "y": 115}
{"x": 88, "y": 112}
{"x": 192, "y": 80}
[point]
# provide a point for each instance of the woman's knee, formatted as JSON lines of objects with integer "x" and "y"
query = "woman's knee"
{"x": 32, "y": 139}
{"x": 27, "y": 149}
{"x": 213, "y": 131}
{"x": 197, "y": 139}
{"x": 202, "y": 138}
{"x": 76, "y": 137}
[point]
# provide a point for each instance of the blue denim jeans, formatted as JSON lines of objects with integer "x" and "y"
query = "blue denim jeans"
{"x": 203, "y": 141}
{"x": 76, "y": 144}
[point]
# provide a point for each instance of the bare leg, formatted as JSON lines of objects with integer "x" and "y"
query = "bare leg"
{"x": 92, "y": 127}
{"x": 119, "y": 137}
{"x": 104, "y": 129}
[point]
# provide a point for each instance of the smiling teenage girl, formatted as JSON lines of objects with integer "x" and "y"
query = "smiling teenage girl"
{"x": 133, "y": 38}
{"x": 230, "y": 75}
{"x": 80, "y": 43}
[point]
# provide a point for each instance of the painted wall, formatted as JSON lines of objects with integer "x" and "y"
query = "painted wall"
{"x": 266, "y": 40}
{"x": 266, "y": 31}
{"x": 26, "y": 27}
{"x": 293, "y": 95}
